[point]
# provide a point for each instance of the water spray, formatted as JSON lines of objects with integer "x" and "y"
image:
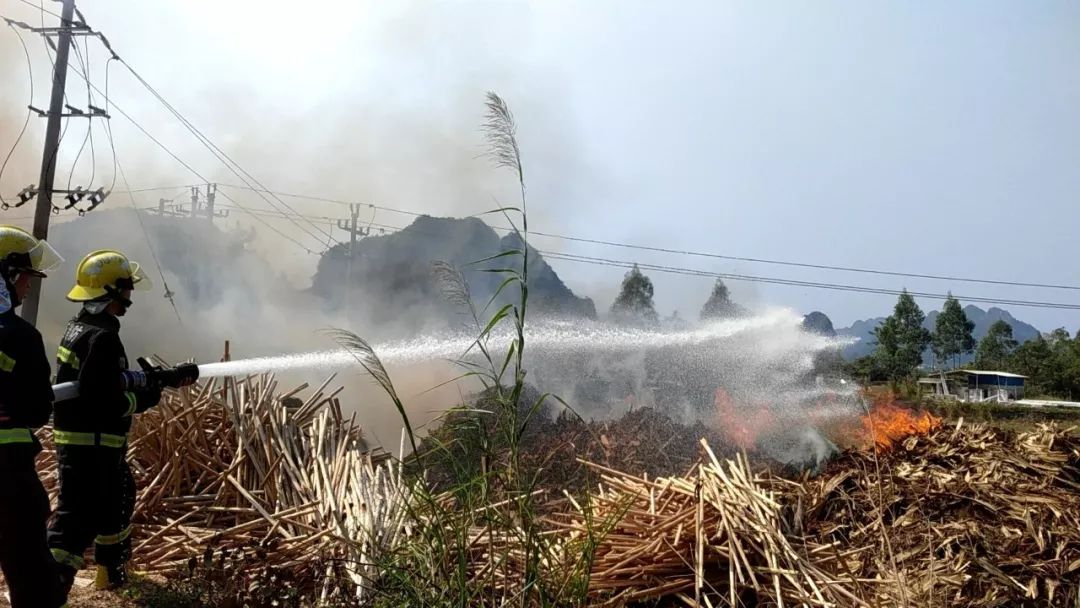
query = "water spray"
{"x": 762, "y": 360}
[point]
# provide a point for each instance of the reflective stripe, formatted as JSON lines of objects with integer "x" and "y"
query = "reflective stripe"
{"x": 68, "y": 559}
{"x": 6, "y": 363}
{"x": 132, "y": 403}
{"x": 65, "y": 355}
{"x": 16, "y": 436}
{"x": 114, "y": 539}
{"x": 75, "y": 438}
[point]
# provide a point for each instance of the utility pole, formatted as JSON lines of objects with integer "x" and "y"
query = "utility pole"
{"x": 351, "y": 226}
{"x": 211, "y": 193}
{"x": 52, "y": 145}
{"x": 164, "y": 211}
{"x": 201, "y": 208}
{"x": 195, "y": 201}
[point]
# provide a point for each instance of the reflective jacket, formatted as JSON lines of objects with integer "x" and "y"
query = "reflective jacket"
{"x": 91, "y": 352}
{"x": 25, "y": 389}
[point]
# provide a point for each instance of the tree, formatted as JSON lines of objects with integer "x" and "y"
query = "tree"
{"x": 1034, "y": 359}
{"x": 1059, "y": 337}
{"x": 719, "y": 304}
{"x": 901, "y": 339}
{"x": 635, "y": 301}
{"x": 952, "y": 333}
{"x": 1064, "y": 376}
{"x": 996, "y": 347}
{"x": 1051, "y": 363}
{"x": 867, "y": 369}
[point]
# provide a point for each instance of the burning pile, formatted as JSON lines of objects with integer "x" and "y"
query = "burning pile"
{"x": 256, "y": 486}
{"x": 958, "y": 516}
{"x": 888, "y": 423}
{"x": 267, "y": 487}
{"x": 710, "y": 538}
{"x": 967, "y": 516}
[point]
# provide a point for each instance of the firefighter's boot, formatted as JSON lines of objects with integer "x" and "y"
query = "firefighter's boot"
{"x": 67, "y": 577}
{"x": 110, "y": 577}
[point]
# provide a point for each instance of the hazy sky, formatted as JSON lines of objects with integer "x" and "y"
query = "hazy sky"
{"x": 938, "y": 138}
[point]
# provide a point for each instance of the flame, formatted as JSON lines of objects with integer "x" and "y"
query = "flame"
{"x": 741, "y": 426}
{"x": 889, "y": 424}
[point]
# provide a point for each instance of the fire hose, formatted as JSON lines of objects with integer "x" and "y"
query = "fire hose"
{"x": 66, "y": 391}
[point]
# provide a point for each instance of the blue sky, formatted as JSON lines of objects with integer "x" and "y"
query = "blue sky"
{"x": 937, "y": 138}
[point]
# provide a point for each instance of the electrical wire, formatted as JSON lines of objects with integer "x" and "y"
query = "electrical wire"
{"x": 806, "y": 265}
{"x": 85, "y": 66}
{"x": 253, "y": 214}
{"x": 551, "y": 255}
{"x": 159, "y": 188}
{"x": 324, "y": 199}
{"x": 90, "y": 121}
{"x": 84, "y": 75}
{"x": 26, "y": 122}
{"x": 705, "y": 254}
{"x": 117, "y": 167}
{"x": 240, "y": 172}
{"x": 41, "y": 7}
{"x": 191, "y": 169}
{"x": 45, "y": 40}
{"x": 108, "y": 124}
{"x": 225, "y": 159}
{"x": 796, "y": 283}
{"x": 153, "y": 254}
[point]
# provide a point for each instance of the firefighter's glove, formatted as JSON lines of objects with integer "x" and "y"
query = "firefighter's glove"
{"x": 184, "y": 374}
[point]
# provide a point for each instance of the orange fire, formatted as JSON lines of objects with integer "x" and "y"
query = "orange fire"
{"x": 889, "y": 423}
{"x": 741, "y": 426}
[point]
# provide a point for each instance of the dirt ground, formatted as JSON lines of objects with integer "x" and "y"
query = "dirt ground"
{"x": 83, "y": 595}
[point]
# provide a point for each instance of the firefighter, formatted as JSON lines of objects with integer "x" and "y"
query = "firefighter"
{"x": 97, "y": 491}
{"x": 25, "y": 404}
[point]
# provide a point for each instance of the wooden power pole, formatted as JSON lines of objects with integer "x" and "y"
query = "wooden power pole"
{"x": 52, "y": 146}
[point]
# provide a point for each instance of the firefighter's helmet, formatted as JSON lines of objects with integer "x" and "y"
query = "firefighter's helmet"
{"x": 20, "y": 252}
{"x": 106, "y": 274}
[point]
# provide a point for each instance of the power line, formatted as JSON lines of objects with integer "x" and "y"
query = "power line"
{"x": 191, "y": 169}
{"x": 225, "y": 159}
{"x": 142, "y": 226}
{"x": 30, "y": 70}
{"x": 85, "y": 65}
{"x": 796, "y": 283}
{"x": 550, "y": 255}
{"x": 202, "y": 139}
{"x": 159, "y": 188}
{"x": 803, "y": 264}
{"x": 47, "y": 42}
{"x": 324, "y": 199}
{"x": 40, "y": 7}
{"x": 236, "y": 169}
{"x": 701, "y": 253}
{"x": 253, "y": 214}
{"x": 108, "y": 124}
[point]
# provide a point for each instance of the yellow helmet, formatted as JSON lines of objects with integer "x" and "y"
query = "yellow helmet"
{"x": 21, "y": 252}
{"x": 105, "y": 273}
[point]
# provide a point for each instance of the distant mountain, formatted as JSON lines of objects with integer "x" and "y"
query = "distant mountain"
{"x": 819, "y": 323}
{"x": 983, "y": 319}
{"x": 394, "y": 286}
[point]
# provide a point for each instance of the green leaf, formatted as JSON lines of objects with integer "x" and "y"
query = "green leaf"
{"x": 507, "y": 281}
{"x": 509, "y": 356}
{"x": 502, "y": 254}
{"x": 498, "y": 316}
{"x": 500, "y": 210}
